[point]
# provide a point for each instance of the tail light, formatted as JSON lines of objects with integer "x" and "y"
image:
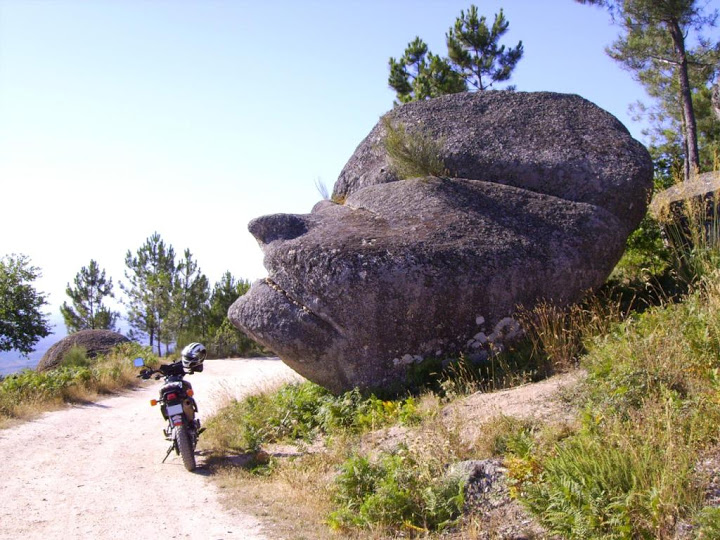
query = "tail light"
{"x": 170, "y": 397}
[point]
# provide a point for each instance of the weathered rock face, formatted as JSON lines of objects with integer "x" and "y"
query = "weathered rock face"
{"x": 556, "y": 144}
{"x": 95, "y": 342}
{"x": 408, "y": 269}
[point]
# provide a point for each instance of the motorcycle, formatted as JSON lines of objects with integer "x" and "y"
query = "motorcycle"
{"x": 177, "y": 407}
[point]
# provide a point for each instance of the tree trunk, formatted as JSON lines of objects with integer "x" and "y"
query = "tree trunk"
{"x": 683, "y": 127}
{"x": 690, "y": 132}
{"x": 716, "y": 100}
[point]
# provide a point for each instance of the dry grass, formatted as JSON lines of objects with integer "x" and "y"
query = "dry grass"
{"x": 304, "y": 475}
{"x": 290, "y": 494}
{"x": 559, "y": 334}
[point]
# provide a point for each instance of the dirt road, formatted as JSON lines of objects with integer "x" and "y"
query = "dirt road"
{"x": 94, "y": 471}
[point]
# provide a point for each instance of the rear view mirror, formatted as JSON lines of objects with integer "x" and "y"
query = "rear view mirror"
{"x": 138, "y": 362}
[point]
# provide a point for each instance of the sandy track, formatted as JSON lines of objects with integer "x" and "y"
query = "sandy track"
{"x": 94, "y": 471}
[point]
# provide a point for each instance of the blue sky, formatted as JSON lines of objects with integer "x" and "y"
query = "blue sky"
{"x": 119, "y": 118}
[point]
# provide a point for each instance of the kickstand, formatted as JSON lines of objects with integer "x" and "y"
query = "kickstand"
{"x": 168, "y": 452}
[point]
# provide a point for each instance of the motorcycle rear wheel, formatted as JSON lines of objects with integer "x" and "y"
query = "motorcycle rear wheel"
{"x": 184, "y": 444}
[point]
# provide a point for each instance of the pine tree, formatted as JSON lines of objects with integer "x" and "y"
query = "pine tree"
{"x": 150, "y": 274}
{"x": 224, "y": 340}
{"x": 224, "y": 293}
{"x": 87, "y": 310}
{"x": 475, "y": 60}
{"x": 653, "y": 45}
{"x": 419, "y": 74}
{"x": 190, "y": 296}
{"x": 475, "y": 52}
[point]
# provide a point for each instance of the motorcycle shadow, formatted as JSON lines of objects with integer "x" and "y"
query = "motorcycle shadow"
{"x": 247, "y": 460}
{"x": 206, "y": 467}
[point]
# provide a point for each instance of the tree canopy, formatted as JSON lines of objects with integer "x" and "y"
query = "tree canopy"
{"x": 87, "y": 310}
{"x": 475, "y": 51}
{"x": 150, "y": 274}
{"x": 22, "y": 323}
{"x": 170, "y": 301}
{"x": 475, "y": 60}
{"x": 189, "y": 300}
{"x": 662, "y": 45}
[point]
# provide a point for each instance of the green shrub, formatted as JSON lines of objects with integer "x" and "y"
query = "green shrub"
{"x": 226, "y": 341}
{"x": 76, "y": 357}
{"x": 709, "y": 524}
{"x": 301, "y": 411}
{"x": 651, "y": 406}
{"x": 674, "y": 348}
{"x": 396, "y": 491}
{"x": 645, "y": 255}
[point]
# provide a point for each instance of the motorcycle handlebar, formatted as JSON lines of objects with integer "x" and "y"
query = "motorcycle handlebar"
{"x": 163, "y": 370}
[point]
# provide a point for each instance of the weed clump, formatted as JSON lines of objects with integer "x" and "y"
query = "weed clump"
{"x": 413, "y": 154}
{"x": 398, "y": 490}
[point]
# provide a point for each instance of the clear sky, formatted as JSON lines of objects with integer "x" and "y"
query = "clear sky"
{"x": 119, "y": 118}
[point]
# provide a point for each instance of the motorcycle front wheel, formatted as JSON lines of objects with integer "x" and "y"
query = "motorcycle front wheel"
{"x": 184, "y": 444}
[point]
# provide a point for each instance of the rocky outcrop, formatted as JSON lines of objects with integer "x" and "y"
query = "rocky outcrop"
{"x": 544, "y": 190}
{"x": 95, "y": 342}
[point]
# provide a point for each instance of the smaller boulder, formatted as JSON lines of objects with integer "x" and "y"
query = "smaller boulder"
{"x": 701, "y": 187}
{"x": 95, "y": 342}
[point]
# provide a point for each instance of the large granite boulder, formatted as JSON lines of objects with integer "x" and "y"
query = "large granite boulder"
{"x": 95, "y": 342}
{"x": 556, "y": 144}
{"x": 544, "y": 190}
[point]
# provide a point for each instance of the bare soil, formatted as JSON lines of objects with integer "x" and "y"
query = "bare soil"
{"x": 95, "y": 471}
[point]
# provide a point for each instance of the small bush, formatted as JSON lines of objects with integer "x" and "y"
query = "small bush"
{"x": 645, "y": 255}
{"x": 76, "y": 357}
{"x": 652, "y": 405}
{"x": 396, "y": 491}
{"x": 709, "y": 524}
{"x": 226, "y": 341}
{"x": 506, "y": 435}
{"x": 633, "y": 486}
{"x": 413, "y": 154}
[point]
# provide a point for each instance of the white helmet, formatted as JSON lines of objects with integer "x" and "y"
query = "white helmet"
{"x": 193, "y": 356}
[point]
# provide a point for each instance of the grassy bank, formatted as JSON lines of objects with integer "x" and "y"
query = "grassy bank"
{"x": 77, "y": 379}
{"x": 635, "y": 462}
{"x": 650, "y": 412}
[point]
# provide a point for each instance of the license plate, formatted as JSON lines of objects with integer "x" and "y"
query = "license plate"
{"x": 172, "y": 410}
